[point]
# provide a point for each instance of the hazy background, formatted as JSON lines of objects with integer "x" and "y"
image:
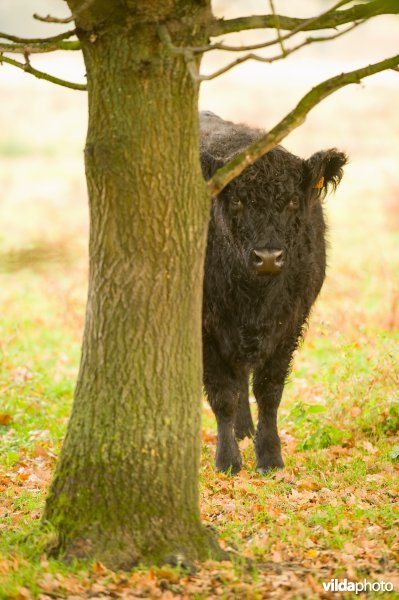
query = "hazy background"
{"x": 43, "y": 206}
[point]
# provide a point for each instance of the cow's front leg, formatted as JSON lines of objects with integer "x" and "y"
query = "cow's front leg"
{"x": 228, "y": 456}
{"x": 267, "y": 440}
{"x": 222, "y": 390}
{"x": 268, "y": 388}
{"x": 223, "y": 399}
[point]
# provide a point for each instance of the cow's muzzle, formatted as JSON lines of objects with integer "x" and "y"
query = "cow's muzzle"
{"x": 267, "y": 261}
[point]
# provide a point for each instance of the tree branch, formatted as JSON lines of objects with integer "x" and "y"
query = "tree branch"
{"x": 49, "y": 40}
{"x": 285, "y": 52}
{"x": 279, "y": 36}
{"x": 189, "y": 51}
{"x": 277, "y": 40}
{"x": 326, "y": 21}
{"x": 165, "y": 37}
{"x": 72, "y": 17}
{"x": 50, "y": 19}
{"x": 27, "y": 67}
{"x": 39, "y": 48}
{"x": 296, "y": 117}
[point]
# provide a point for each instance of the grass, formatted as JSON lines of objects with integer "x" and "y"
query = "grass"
{"x": 332, "y": 512}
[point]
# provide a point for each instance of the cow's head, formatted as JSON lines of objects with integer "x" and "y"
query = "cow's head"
{"x": 268, "y": 210}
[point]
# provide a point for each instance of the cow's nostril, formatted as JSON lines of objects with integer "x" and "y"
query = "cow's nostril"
{"x": 256, "y": 258}
{"x": 279, "y": 258}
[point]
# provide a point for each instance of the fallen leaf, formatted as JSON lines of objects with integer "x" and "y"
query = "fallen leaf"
{"x": 23, "y": 594}
{"x": 208, "y": 437}
{"x": 5, "y": 419}
{"x": 378, "y": 477}
{"x": 39, "y": 450}
{"x": 307, "y": 484}
{"x": 245, "y": 443}
{"x": 368, "y": 446}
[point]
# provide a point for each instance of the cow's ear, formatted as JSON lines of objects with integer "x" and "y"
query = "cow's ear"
{"x": 324, "y": 170}
{"x": 209, "y": 163}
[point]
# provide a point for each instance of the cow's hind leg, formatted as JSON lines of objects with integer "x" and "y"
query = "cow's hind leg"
{"x": 223, "y": 391}
{"x": 244, "y": 426}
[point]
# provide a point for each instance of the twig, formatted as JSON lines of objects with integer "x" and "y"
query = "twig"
{"x": 49, "y": 40}
{"x": 50, "y": 19}
{"x": 39, "y": 48}
{"x": 304, "y": 25}
{"x": 330, "y": 20}
{"x": 287, "y": 52}
{"x": 296, "y": 117}
{"x": 40, "y": 74}
{"x": 72, "y": 17}
{"x": 188, "y": 52}
{"x": 277, "y": 19}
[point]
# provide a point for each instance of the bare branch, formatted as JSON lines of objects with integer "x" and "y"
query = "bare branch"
{"x": 279, "y": 37}
{"x": 27, "y": 67}
{"x": 301, "y": 27}
{"x": 296, "y": 117}
{"x": 49, "y": 40}
{"x": 286, "y": 52}
{"x": 189, "y": 52}
{"x": 327, "y": 21}
{"x": 39, "y": 48}
{"x": 50, "y": 19}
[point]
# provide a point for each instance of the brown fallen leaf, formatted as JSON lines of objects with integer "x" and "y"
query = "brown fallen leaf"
{"x": 98, "y": 568}
{"x": 5, "y": 419}
{"x": 368, "y": 446}
{"x": 351, "y": 549}
{"x": 277, "y": 557}
{"x": 48, "y": 583}
{"x": 39, "y": 450}
{"x": 208, "y": 437}
{"x": 4, "y": 566}
{"x": 308, "y": 484}
{"x": 23, "y": 594}
{"x": 245, "y": 443}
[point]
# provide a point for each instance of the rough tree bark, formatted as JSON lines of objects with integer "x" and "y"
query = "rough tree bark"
{"x": 126, "y": 483}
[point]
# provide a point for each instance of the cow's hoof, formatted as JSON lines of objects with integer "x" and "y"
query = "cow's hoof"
{"x": 265, "y": 467}
{"x": 230, "y": 470}
{"x": 228, "y": 465}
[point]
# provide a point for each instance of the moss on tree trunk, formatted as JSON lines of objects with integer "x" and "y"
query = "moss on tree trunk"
{"x": 126, "y": 483}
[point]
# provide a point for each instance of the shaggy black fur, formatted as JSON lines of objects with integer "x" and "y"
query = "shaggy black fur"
{"x": 252, "y": 321}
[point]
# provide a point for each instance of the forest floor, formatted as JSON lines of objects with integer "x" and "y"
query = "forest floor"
{"x": 331, "y": 513}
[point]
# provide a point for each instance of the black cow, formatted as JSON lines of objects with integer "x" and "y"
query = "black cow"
{"x": 265, "y": 265}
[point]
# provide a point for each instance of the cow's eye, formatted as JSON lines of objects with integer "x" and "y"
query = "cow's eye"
{"x": 293, "y": 204}
{"x": 236, "y": 204}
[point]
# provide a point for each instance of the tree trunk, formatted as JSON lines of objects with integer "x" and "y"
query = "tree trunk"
{"x": 126, "y": 484}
